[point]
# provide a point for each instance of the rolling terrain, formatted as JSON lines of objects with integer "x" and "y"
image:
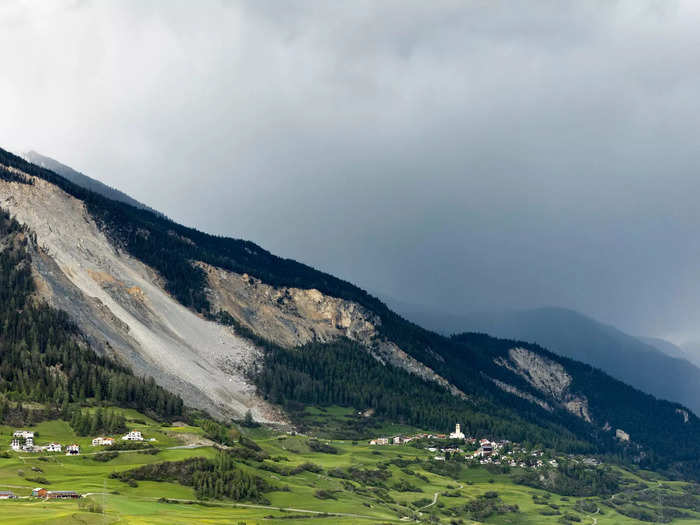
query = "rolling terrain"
{"x": 231, "y": 328}
{"x": 342, "y": 481}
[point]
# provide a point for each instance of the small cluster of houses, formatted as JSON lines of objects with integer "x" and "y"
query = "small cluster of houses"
{"x": 23, "y": 440}
{"x": 133, "y": 435}
{"x": 483, "y": 451}
{"x": 40, "y": 492}
{"x": 400, "y": 440}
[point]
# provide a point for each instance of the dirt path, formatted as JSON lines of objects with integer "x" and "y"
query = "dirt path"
{"x": 435, "y": 498}
{"x": 595, "y": 520}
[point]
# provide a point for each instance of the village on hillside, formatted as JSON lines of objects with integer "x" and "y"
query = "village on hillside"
{"x": 23, "y": 441}
{"x": 483, "y": 451}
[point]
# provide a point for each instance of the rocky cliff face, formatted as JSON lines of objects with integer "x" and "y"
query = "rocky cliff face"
{"x": 119, "y": 305}
{"x": 292, "y": 317}
{"x": 547, "y": 376}
{"x": 288, "y": 317}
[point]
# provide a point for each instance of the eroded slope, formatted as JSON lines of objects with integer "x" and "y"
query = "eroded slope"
{"x": 547, "y": 377}
{"x": 117, "y": 302}
{"x": 291, "y": 317}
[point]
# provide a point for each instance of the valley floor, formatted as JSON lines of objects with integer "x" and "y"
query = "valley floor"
{"x": 415, "y": 491}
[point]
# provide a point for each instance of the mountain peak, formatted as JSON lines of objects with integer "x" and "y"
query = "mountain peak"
{"x": 82, "y": 180}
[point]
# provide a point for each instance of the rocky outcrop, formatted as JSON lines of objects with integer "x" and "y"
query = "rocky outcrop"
{"x": 118, "y": 303}
{"x": 548, "y": 377}
{"x": 622, "y": 435}
{"x": 545, "y": 375}
{"x": 291, "y": 317}
{"x": 388, "y": 352}
{"x": 523, "y": 395}
{"x": 286, "y": 316}
{"x": 684, "y": 414}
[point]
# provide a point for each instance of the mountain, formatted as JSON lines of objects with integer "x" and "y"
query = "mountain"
{"x": 666, "y": 374}
{"x": 689, "y": 351}
{"x": 82, "y": 180}
{"x": 666, "y": 347}
{"x": 230, "y": 327}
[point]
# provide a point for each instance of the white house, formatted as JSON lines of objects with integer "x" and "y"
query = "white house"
{"x": 28, "y": 444}
{"x": 53, "y": 447}
{"x": 397, "y": 440}
{"x": 73, "y": 450}
{"x": 26, "y": 434}
{"x": 457, "y": 434}
{"x": 14, "y": 445}
{"x": 134, "y": 435}
{"x": 102, "y": 441}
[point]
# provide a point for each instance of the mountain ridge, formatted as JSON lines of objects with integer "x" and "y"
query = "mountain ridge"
{"x": 577, "y": 406}
{"x": 577, "y": 336}
{"x": 82, "y": 180}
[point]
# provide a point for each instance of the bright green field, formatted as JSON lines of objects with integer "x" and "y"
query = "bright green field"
{"x": 139, "y": 505}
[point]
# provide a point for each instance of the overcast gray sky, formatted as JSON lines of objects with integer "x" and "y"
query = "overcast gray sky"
{"x": 454, "y": 154}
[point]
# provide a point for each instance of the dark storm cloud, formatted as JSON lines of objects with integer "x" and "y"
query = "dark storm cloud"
{"x": 465, "y": 155}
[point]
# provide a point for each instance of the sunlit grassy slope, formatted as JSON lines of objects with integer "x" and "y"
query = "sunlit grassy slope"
{"x": 295, "y": 502}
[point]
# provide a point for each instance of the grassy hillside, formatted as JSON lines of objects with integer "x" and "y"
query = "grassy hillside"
{"x": 354, "y": 483}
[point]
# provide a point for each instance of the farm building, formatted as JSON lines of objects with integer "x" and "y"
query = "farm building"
{"x": 102, "y": 441}
{"x": 134, "y": 435}
{"x": 6, "y": 494}
{"x": 73, "y": 450}
{"x": 62, "y": 494}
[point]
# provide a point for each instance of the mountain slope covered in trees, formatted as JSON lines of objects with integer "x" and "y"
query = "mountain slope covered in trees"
{"x": 507, "y": 388}
{"x": 569, "y": 333}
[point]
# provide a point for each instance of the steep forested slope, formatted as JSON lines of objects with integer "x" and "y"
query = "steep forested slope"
{"x": 579, "y": 337}
{"x": 44, "y": 358}
{"x": 506, "y": 388}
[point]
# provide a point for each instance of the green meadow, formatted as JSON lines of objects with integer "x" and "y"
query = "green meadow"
{"x": 414, "y": 491}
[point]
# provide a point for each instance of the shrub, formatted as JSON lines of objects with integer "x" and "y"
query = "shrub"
{"x": 105, "y": 456}
{"x": 324, "y": 494}
{"x": 90, "y": 505}
{"x": 318, "y": 446}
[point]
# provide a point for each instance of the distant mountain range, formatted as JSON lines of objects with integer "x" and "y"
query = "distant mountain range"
{"x": 653, "y": 365}
{"x": 689, "y": 351}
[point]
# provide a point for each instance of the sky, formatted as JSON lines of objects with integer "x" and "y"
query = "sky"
{"x": 463, "y": 156}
